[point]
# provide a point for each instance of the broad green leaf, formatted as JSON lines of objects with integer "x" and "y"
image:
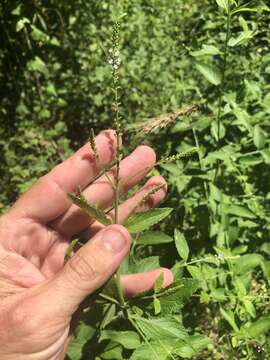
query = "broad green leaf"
{"x": 152, "y": 351}
{"x": 257, "y": 328}
{"x": 144, "y": 265}
{"x": 83, "y": 333}
{"x": 161, "y": 328}
{"x": 248, "y": 262}
{"x": 191, "y": 346}
{"x": 153, "y": 238}
{"x": 259, "y": 137}
{"x": 181, "y": 244}
{"x": 144, "y": 220}
{"x": 112, "y": 351}
{"x": 210, "y": 72}
{"x": 128, "y": 339}
{"x": 174, "y": 296}
{"x": 91, "y": 210}
{"x": 241, "y": 211}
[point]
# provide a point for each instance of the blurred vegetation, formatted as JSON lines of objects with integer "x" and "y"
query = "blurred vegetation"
{"x": 56, "y": 84}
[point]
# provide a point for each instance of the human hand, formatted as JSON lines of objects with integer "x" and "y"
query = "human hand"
{"x": 38, "y": 293}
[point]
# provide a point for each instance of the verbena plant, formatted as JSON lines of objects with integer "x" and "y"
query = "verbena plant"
{"x": 148, "y": 325}
{"x": 214, "y": 54}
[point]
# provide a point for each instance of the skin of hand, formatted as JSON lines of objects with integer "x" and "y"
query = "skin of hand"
{"x": 38, "y": 293}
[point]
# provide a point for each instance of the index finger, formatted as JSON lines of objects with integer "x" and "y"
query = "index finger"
{"x": 47, "y": 199}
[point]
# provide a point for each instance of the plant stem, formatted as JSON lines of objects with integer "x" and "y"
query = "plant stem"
{"x": 115, "y": 61}
{"x": 222, "y": 86}
{"x": 224, "y": 67}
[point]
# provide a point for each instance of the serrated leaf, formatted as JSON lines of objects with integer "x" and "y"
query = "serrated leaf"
{"x": 128, "y": 339}
{"x": 91, "y": 210}
{"x": 181, "y": 244}
{"x": 153, "y": 238}
{"x": 174, "y": 296}
{"x": 191, "y": 346}
{"x": 144, "y": 220}
{"x": 144, "y": 265}
{"x": 152, "y": 351}
{"x": 210, "y": 72}
{"x": 161, "y": 328}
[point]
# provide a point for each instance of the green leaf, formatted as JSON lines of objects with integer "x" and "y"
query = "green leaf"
{"x": 21, "y": 23}
{"x": 249, "y": 307}
{"x": 248, "y": 262}
{"x": 17, "y": 10}
{"x": 192, "y": 346}
{"x": 144, "y": 220}
{"x": 174, "y": 296}
{"x": 128, "y": 339}
{"x": 83, "y": 333}
{"x": 207, "y": 50}
{"x": 91, "y": 210}
{"x": 229, "y": 317}
{"x": 37, "y": 65}
{"x": 144, "y": 265}
{"x": 158, "y": 283}
{"x": 157, "y": 306}
{"x": 161, "y": 328}
{"x": 257, "y": 328}
{"x": 153, "y": 238}
{"x": 259, "y": 138}
{"x": 224, "y": 4}
{"x": 181, "y": 244}
{"x": 241, "y": 211}
{"x": 210, "y": 72}
{"x": 152, "y": 351}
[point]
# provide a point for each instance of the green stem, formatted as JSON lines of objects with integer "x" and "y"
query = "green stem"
{"x": 224, "y": 67}
{"x": 222, "y": 86}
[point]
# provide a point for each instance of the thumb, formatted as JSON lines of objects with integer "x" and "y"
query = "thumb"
{"x": 88, "y": 269}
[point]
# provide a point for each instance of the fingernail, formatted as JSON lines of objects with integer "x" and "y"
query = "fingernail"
{"x": 114, "y": 241}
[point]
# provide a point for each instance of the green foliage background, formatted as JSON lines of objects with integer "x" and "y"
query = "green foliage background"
{"x": 56, "y": 84}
